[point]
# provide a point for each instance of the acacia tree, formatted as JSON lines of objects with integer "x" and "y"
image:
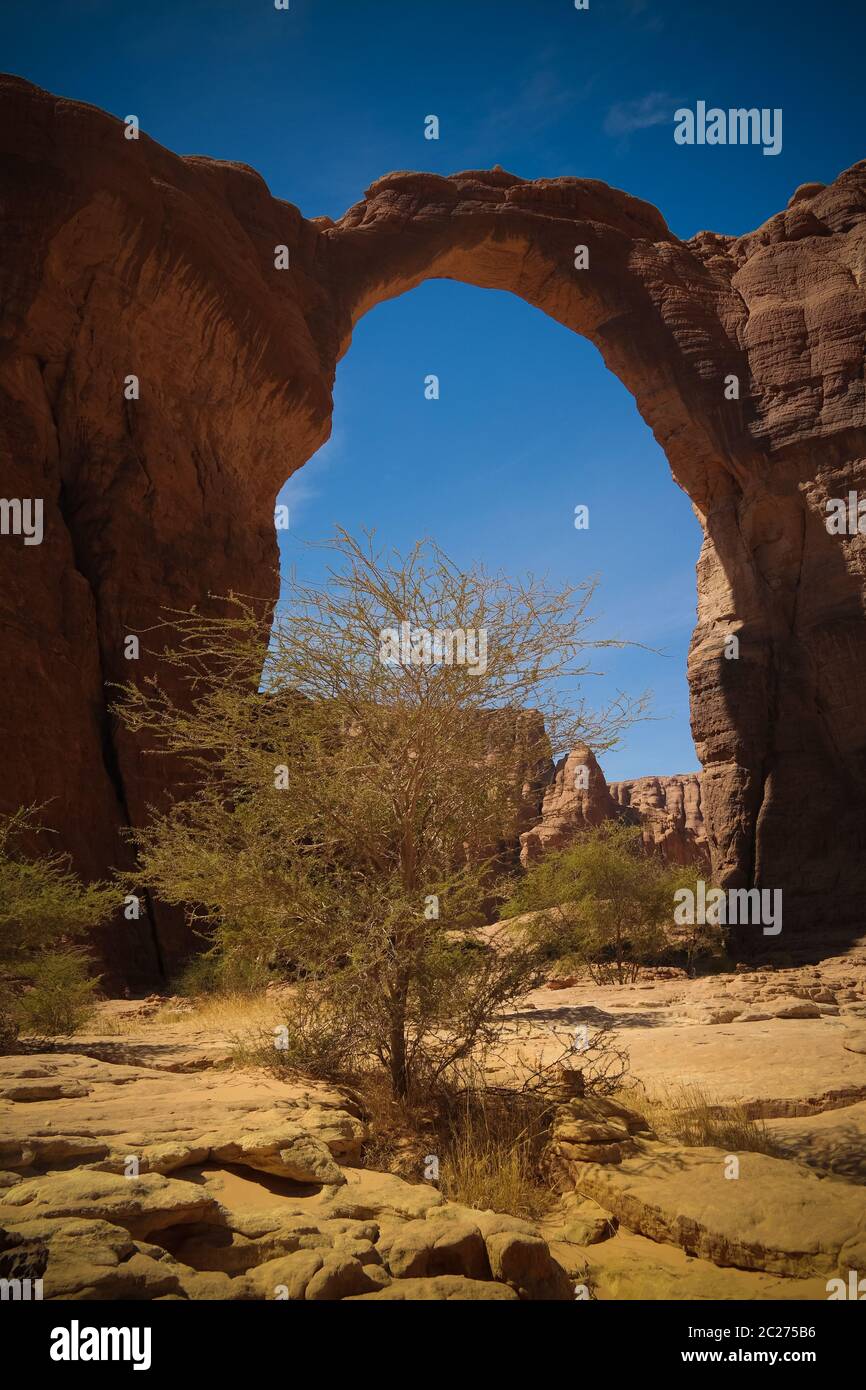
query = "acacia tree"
{"x": 345, "y": 790}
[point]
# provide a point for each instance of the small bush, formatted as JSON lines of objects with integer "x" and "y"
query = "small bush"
{"x": 61, "y": 996}
{"x": 602, "y": 904}
{"x": 313, "y": 1037}
{"x": 213, "y": 973}
{"x": 8, "y": 1020}
{"x": 488, "y": 1141}
{"x": 44, "y": 908}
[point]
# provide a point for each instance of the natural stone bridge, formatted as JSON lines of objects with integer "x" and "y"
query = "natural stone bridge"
{"x": 119, "y": 257}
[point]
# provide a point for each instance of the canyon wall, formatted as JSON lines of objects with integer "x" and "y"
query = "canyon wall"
{"x": 120, "y": 258}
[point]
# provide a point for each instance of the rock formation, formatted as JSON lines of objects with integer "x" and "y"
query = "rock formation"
{"x": 577, "y": 797}
{"x": 670, "y": 813}
{"x": 194, "y": 1221}
{"x": 121, "y": 259}
{"x": 246, "y": 1184}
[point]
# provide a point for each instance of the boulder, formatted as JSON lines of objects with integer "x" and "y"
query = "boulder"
{"x": 139, "y": 1205}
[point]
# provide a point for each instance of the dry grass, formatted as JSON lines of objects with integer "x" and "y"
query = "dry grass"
{"x": 492, "y": 1143}
{"x": 482, "y": 1171}
{"x": 231, "y": 1014}
{"x": 487, "y": 1148}
{"x": 487, "y": 1140}
{"x": 401, "y": 1133}
{"x": 688, "y": 1115}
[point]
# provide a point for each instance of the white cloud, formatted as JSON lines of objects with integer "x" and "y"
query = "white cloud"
{"x": 624, "y": 117}
{"x": 303, "y": 486}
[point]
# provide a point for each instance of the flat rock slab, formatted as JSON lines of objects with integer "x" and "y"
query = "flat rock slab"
{"x": 140, "y": 1205}
{"x": 444, "y": 1288}
{"x": 165, "y": 1048}
{"x": 774, "y": 1068}
{"x": 782, "y": 1042}
{"x": 103, "y": 1114}
{"x": 833, "y": 1142}
{"x": 630, "y": 1266}
{"x": 776, "y": 1216}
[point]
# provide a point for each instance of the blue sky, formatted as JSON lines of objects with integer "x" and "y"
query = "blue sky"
{"x": 327, "y": 97}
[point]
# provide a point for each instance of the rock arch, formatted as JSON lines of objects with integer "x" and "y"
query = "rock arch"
{"x": 121, "y": 257}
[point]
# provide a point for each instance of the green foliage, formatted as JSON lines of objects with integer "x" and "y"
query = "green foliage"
{"x": 318, "y": 1036}
{"x": 215, "y": 973}
{"x": 41, "y": 900}
{"x": 61, "y": 995}
{"x": 602, "y": 903}
{"x": 44, "y": 908}
{"x": 8, "y": 1020}
{"x": 702, "y": 944}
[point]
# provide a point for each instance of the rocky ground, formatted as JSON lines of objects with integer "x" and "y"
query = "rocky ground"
{"x": 140, "y": 1163}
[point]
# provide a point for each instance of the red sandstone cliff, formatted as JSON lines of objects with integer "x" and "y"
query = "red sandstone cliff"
{"x": 119, "y": 257}
{"x": 577, "y": 798}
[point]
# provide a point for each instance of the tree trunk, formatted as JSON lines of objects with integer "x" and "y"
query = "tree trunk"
{"x": 397, "y": 1050}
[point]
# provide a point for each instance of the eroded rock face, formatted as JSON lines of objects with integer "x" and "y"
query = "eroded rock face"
{"x": 168, "y": 1120}
{"x": 245, "y": 1187}
{"x": 577, "y": 797}
{"x": 670, "y": 814}
{"x": 120, "y": 258}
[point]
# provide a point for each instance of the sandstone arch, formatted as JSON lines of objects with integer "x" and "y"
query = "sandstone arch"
{"x": 121, "y": 257}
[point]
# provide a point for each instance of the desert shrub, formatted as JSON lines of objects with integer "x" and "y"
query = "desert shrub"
{"x": 702, "y": 945}
{"x": 487, "y": 1122}
{"x": 314, "y": 1036}
{"x": 491, "y": 1157}
{"x": 44, "y": 910}
{"x": 602, "y": 904}
{"x": 211, "y": 973}
{"x": 9, "y": 1024}
{"x": 60, "y": 996}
